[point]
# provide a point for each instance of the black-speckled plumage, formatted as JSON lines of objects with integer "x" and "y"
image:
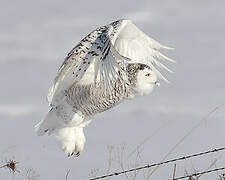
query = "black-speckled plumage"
{"x": 91, "y": 99}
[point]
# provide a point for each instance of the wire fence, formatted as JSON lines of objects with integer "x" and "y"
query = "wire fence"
{"x": 199, "y": 173}
{"x": 166, "y": 162}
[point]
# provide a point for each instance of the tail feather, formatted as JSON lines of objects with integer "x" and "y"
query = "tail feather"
{"x": 48, "y": 124}
{"x": 68, "y": 132}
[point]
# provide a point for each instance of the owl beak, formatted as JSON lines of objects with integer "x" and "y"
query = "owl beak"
{"x": 157, "y": 83}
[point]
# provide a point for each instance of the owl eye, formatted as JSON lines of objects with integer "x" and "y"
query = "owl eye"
{"x": 148, "y": 74}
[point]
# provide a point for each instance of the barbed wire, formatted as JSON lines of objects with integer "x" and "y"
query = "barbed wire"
{"x": 160, "y": 163}
{"x": 199, "y": 173}
{"x": 189, "y": 133}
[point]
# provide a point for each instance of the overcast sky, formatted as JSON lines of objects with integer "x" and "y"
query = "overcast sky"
{"x": 35, "y": 36}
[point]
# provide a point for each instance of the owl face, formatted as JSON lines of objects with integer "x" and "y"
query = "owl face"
{"x": 146, "y": 80}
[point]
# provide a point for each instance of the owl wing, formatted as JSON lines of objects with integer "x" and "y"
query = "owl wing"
{"x": 131, "y": 42}
{"x": 94, "y": 50}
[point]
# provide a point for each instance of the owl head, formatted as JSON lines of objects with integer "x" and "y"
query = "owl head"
{"x": 145, "y": 78}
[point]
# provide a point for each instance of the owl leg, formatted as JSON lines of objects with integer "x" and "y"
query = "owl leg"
{"x": 79, "y": 140}
{"x": 71, "y": 139}
{"x": 79, "y": 137}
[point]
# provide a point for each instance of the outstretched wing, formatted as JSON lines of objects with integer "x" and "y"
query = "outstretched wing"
{"x": 95, "y": 50}
{"x": 131, "y": 42}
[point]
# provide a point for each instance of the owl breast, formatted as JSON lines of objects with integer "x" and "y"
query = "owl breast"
{"x": 92, "y": 99}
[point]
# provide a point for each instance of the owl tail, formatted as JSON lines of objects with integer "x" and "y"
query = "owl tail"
{"x": 48, "y": 124}
{"x": 69, "y": 135}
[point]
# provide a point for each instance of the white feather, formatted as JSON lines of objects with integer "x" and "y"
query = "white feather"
{"x": 140, "y": 48}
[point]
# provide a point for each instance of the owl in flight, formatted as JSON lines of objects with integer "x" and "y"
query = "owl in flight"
{"x": 113, "y": 63}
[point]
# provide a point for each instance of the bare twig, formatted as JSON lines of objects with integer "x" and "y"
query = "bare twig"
{"x": 30, "y": 174}
{"x": 110, "y": 149}
{"x": 121, "y": 161}
{"x": 67, "y": 174}
{"x": 147, "y": 139}
{"x": 174, "y": 171}
{"x": 200, "y": 173}
{"x": 222, "y": 177}
{"x": 136, "y": 164}
{"x": 210, "y": 166}
{"x": 93, "y": 173}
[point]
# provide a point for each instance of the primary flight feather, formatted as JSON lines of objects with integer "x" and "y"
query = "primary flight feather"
{"x": 111, "y": 64}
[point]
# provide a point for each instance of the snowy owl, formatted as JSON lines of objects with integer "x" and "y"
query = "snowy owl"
{"x": 113, "y": 63}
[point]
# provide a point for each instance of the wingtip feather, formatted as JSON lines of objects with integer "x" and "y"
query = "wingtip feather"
{"x": 167, "y": 47}
{"x": 167, "y": 58}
